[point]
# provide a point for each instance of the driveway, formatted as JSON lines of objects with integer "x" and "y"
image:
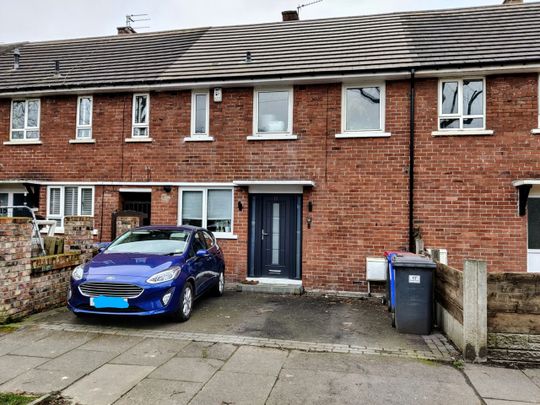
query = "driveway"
{"x": 249, "y": 349}
{"x": 340, "y": 322}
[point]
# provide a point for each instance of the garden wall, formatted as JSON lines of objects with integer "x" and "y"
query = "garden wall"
{"x": 34, "y": 284}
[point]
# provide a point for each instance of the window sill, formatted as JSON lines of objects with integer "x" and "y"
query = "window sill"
{"x": 82, "y": 141}
{"x": 367, "y": 134}
{"x": 223, "y": 235}
{"x": 477, "y": 132}
{"x": 277, "y": 137}
{"x": 535, "y": 131}
{"x": 136, "y": 140}
{"x": 199, "y": 139}
{"x": 31, "y": 142}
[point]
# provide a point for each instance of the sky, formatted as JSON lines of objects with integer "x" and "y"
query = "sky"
{"x": 39, "y": 20}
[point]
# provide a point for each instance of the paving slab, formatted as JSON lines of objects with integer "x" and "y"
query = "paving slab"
{"x": 326, "y": 387}
{"x": 12, "y": 366}
{"x": 382, "y": 366}
{"x": 206, "y": 350}
{"x": 83, "y": 360}
{"x": 42, "y": 381}
{"x": 162, "y": 392}
{"x": 503, "y": 402}
{"x": 106, "y": 384}
{"x": 502, "y": 383}
{"x": 533, "y": 374}
{"x": 151, "y": 352}
{"x": 256, "y": 360}
{"x": 111, "y": 343}
{"x": 228, "y": 387}
{"x": 53, "y": 345}
{"x": 187, "y": 369}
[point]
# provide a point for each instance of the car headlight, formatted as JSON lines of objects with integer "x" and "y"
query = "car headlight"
{"x": 78, "y": 273}
{"x": 164, "y": 276}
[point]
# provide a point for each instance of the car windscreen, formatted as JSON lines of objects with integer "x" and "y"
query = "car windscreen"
{"x": 150, "y": 241}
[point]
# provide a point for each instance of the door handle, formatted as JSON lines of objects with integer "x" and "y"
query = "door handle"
{"x": 263, "y": 234}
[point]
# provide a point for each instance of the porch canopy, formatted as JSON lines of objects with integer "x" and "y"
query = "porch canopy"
{"x": 524, "y": 187}
{"x": 275, "y": 186}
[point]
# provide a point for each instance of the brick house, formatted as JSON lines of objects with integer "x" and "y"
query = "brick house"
{"x": 295, "y": 142}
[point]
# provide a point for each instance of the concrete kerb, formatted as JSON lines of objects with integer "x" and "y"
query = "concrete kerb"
{"x": 447, "y": 356}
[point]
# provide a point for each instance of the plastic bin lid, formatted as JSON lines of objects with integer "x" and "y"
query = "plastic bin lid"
{"x": 417, "y": 261}
{"x": 389, "y": 253}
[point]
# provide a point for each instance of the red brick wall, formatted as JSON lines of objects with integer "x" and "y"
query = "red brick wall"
{"x": 464, "y": 198}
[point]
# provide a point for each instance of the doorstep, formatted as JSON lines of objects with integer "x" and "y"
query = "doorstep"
{"x": 271, "y": 286}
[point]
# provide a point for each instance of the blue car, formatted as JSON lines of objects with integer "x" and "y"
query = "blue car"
{"x": 149, "y": 271}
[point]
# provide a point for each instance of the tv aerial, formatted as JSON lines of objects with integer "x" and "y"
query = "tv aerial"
{"x": 300, "y": 6}
{"x": 135, "y": 18}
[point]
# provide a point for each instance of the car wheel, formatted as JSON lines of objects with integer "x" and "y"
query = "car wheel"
{"x": 220, "y": 286}
{"x": 186, "y": 303}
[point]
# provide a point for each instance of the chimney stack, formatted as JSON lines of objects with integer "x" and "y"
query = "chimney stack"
{"x": 290, "y": 15}
{"x": 126, "y": 30}
{"x": 510, "y": 2}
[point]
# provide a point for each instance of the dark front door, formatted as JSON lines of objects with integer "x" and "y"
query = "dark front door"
{"x": 275, "y": 235}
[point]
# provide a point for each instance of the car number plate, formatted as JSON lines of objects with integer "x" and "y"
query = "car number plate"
{"x": 108, "y": 302}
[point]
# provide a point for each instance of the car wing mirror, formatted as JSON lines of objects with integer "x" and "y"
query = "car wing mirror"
{"x": 202, "y": 253}
{"x": 102, "y": 246}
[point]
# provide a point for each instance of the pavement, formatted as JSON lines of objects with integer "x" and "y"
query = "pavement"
{"x": 108, "y": 361}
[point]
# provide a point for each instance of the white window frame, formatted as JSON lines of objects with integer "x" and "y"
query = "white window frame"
{"x": 89, "y": 126}
{"x": 11, "y": 192}
{"x": 367, "y": 133}
{"x": 26, "y": 127}
{"x": 145, "y": 124}
{"x": 459, "y": 115}
{"x": 61, "y": 216}
{"x": 194, "y": 95}
{"x": 204, "y": 190}
{"x": 274, "y": 135}
{"x": 536, "y": 131}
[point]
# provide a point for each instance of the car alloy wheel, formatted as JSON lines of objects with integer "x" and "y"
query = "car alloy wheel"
{"x": 221, "y": 285}
{"x": 186, "y": 304}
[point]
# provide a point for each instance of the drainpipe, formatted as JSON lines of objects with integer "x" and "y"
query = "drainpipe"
{"x": 412, "y": 244}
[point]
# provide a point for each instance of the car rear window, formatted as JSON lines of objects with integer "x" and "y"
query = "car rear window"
{"x": 151, "y": 241}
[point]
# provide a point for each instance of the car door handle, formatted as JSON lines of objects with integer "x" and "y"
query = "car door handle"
{"x": 263, "y": 234}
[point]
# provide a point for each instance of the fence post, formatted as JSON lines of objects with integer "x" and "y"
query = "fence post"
{"x": 475, "y": 310}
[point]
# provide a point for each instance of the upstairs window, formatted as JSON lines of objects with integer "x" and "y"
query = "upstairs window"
{"x": 141, "y": 112}
{"x": 462, "y": 104}
{"x": 25, "y": 120}
{"x": 273, "y": 112}
{"x": 363, "y": 109}
{"x": 84, "y": 117}
{"x": 200, "y": 107}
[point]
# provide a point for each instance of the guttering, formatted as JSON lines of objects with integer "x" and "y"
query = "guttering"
{"x": 412, "y": 243}
{"x": 423, "y": 72}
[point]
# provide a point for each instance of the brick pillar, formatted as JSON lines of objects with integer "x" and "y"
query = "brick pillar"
{"x": 15, "y": 268}
{"x": 78, "y": 236}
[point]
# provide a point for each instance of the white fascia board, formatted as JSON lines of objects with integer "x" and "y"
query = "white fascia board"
{"x": 282, "y": 81}
{"x": 118, "y": 183}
